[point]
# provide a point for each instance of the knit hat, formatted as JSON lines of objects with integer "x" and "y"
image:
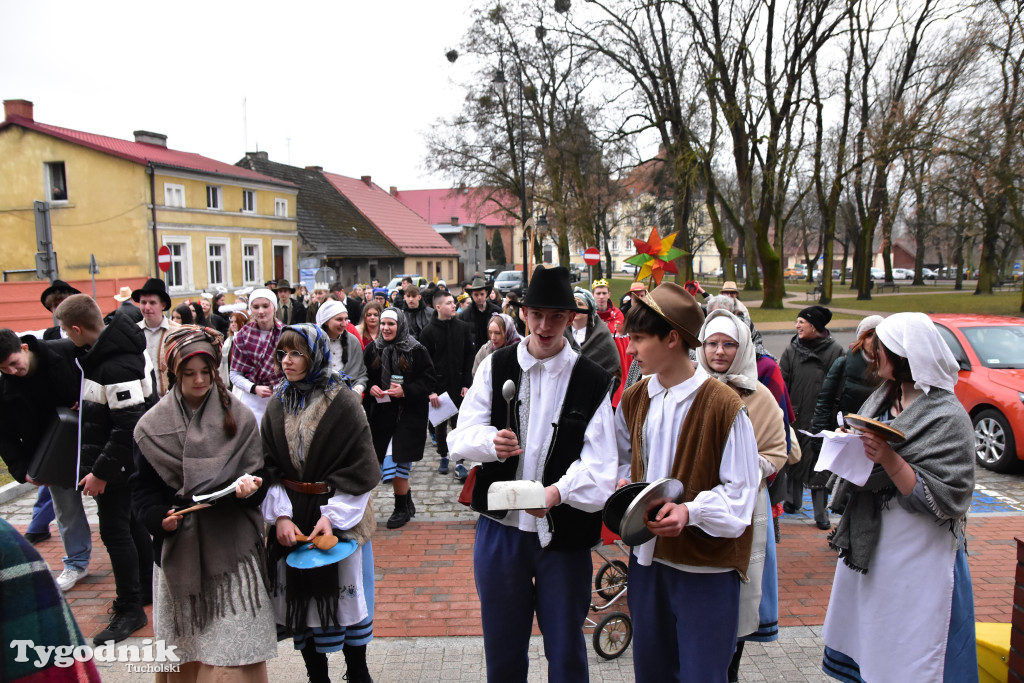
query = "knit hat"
{"x": 328, "y": 310}
{"x": 819, "y": 316}
{"x": 263, "y": 293}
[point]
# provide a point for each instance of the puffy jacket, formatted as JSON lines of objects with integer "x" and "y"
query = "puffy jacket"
{"x": 28, "y": 404}
{"x": 450, "y": 346}
{"x": 117, "y": 389}
{"x": 847, "y": 385}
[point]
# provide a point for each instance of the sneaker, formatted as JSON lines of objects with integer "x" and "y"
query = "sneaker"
{"x": 70, "y": 576}
{"x": 34, "y": 537}
{"x": 461, "y": 472}
{"x": 443, "y": 467}
{"x": 124, "y": 623}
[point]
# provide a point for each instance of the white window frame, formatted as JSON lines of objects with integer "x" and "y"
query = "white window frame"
{"x": 48, "y": 180}
{"x": 185, "y": 241}
{"x": 225, "y": 261}
{"x": 245, "y": 193}
{"x": 258, "y": 266}
{"x": 289, "y": 274}
{"x": 280, "y": 207}
{"x": 170, "y": 190}
{"x": 218, "y": 195}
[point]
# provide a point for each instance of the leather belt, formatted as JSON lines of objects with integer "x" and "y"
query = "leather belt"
{"x": 310, "y": 488}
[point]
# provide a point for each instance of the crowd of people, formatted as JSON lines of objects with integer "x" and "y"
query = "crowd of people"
{"x": 293, "y": 406}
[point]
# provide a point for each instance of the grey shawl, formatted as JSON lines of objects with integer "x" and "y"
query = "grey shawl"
{"x": 939, "y": 446}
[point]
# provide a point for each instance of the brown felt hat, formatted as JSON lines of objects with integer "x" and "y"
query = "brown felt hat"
{"x": 677, "y": 307}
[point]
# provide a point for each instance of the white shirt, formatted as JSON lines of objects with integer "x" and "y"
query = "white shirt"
{"x": 726, "y": 510}
{"x": 342, "y": 509}
{"x": 154, "y": 344}
{"x": 580, "y": 335}
{"x": 589, "y": 481}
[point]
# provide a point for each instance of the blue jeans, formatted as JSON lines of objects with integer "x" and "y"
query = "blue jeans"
{"x": 42, "y": 512}
{"x": 73, "y": 525}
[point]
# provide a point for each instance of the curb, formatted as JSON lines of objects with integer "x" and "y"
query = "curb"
{"x": 9, "y": 492}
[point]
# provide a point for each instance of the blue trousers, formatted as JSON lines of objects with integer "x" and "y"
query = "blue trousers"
{"x": 75, "y": 533}
{"x": 42, "y": 512}
{"x": 515, "y": 579}
{"x": 684, "y": 624}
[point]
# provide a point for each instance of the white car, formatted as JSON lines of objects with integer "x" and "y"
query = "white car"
{"x": 902, "y": 274}
{"x": 630, "y": 269}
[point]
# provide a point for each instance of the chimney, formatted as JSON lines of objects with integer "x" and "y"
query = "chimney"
{"x": 262, "y": 156}
{"x": 148, "y": 138}
{"x": 318, "y": 169}
{"x": 22, "y": 108}
{"x": 393, "y": 191}
{"x": 455, "y": 220}
{"x": 366, "y": 179}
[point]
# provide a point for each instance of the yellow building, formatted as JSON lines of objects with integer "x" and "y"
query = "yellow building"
{"x": 120, "y": 200}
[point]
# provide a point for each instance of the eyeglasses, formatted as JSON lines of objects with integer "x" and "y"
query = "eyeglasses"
{"x": 725, "y": 346}
{"x": 293, "y": 354}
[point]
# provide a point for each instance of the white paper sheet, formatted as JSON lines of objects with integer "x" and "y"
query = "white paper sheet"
{"x": 386, "y": 398}
{"x": 446, "y": 410}
{"x": 843, "y": 453}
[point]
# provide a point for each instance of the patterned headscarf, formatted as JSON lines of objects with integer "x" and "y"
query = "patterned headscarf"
{"x": 318, "y": 373}
{"x": 389, "y": 351}
{"x": 188, "y": 341}
{"x": 590, "y": 302}
{"x": 511, "y": 333}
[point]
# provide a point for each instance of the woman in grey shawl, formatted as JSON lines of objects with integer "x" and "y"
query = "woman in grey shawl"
{"x": 592, "y": 337}
{"x": 902, "y": 606}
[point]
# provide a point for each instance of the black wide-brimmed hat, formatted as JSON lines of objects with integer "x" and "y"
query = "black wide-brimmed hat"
{"x": 551, "y": 287}
{"x": 55, "y": 287}
{"x": 477, "y": 283}
{"x": 153, "y": 286}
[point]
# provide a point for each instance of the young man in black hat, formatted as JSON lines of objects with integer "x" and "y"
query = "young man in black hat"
{"x": 537, "y": 562}
{"x": 480, "y": 311}
{"x": 289, "y": 311}
{"x": 153, "y": 301}
{"x": 681, "y": 423}
{"x": 50, "y": 299}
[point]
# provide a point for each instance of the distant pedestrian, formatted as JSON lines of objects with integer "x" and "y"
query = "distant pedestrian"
{"x": 479, "y": 311}
{"x": 254, "y": 372}
{"x": 369, "y": 327}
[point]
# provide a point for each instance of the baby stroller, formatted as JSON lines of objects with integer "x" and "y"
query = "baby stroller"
{"x": 614, "y": 631}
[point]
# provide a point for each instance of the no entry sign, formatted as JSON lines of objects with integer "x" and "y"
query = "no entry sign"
{"x": 163, "y": 258}
{"x": 592, "y": 256}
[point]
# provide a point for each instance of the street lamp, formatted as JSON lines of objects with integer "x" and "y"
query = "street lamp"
{"x": 499, "y": 80}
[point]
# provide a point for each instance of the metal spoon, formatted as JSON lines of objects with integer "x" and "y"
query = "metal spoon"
{"x": 508, "y": 392}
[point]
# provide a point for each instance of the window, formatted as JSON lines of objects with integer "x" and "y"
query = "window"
{"x": 213, "y": 199}
{"x": 178, "y": 276}
{"x": 281, "y": 207}
{"x": 217, "y": 262}
{"x": 174, "y": 195}
{"x": 252, "y": 262}
{"x": 249, "y": 201}
{"x": 56, "y": 182}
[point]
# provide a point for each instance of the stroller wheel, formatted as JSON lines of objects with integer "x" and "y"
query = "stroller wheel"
{"x": 610, "y": 579}
{"x": 613, "y": 634}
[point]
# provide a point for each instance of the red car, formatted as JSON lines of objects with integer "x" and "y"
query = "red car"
{"x": 990, "y": 350}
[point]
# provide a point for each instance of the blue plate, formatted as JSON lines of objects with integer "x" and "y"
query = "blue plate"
{"x": 309, "y": 556}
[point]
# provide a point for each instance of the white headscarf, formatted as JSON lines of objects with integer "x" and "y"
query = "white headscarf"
{"x": 743, "y": 371}
{"x": 263, "y": 293}
{"x": 913, "y": 336}
{"x": 328, "y": 310}
{"x": 868, "y": 323}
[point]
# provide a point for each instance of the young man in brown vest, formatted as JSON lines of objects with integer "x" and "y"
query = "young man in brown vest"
{"x": 679, "y": 422}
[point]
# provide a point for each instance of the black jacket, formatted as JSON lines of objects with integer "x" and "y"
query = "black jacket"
{"x": 29, "y": 404}
{"x": 479, "y": 320}
{"x": 355, "y": 309}
{"x": 419, "y": 318}
{"x": 128, "y": 308}
{"x": 401, "y": 420}
{"x": 117, "y": 390}
{"x": 450, "y": 346}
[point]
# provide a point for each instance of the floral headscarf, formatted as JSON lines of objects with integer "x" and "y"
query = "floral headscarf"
{"x": 318, "y": 374}
{"x": 389, "y": 351}
{"x": 590, "y": 302}
{"x": 511, "y": 333}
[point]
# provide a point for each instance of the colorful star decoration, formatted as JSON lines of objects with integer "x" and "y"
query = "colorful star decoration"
{"x": 656, "y": 256}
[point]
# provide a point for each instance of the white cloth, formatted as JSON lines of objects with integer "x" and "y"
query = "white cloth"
{"x": 328, "y": 310}
{"x": 743, "y": 371}
{"x": 913, "y": 336}
{"x": 910, "y": 582}
{"x": 589, "y": 481}
{"x": 580, "y": 335}
{"x": 344, "y": 510}
{"x": 724, "y": 511}
{"x": 257, "y": 405}
{"x": 262, "y": 293}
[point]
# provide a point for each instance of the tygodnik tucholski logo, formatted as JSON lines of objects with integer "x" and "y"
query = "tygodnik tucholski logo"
{"x": 149, "y": 657}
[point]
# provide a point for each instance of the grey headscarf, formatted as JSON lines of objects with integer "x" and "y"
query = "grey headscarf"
{"x": 389, "y": 351}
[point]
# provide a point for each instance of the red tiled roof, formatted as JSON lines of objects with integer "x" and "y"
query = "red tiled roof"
{"x": 142, "y": 153}
{"x": 439, "y": 206}
{"x": 397, "y": 222}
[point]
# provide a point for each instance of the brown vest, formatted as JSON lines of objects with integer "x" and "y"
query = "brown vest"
{"x": 698, "y": 458}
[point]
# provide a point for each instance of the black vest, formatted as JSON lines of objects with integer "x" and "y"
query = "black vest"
{"x": 589, "y": 384}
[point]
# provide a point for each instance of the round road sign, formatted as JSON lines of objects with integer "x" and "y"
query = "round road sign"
{"x": 163, "y": 258}
{"x": 592, "y": 256}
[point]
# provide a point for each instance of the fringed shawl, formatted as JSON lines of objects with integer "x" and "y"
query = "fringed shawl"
{"x": 939, "y": 446}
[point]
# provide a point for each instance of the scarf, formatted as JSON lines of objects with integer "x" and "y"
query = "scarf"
{"x": 939, "y": 446}
{"x": 743, "y": 371}
{"x": 252, "y": 354}
{"x": 204, "y": 560}
{"x": 391, "y": 351}
{"x": 511, "y": 333}
{"x": 294, "y": 395}
{"x": 913, "y": 336}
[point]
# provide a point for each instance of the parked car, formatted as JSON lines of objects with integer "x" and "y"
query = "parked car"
{"x": 509, "y": 281}
{"x": 396, "y": 282}
{"x": 877, "y": 274}
{"x": 794, "y": 273}
{"x": 630, "y": 269}
{"x": 990, "y": 351}
{"x": 929, "y": 274}
{"x": 575, "y": 272}
{"x": 717, "y": 272}
{"x": 902, "y": 274}
{"x": 491, "y": 273}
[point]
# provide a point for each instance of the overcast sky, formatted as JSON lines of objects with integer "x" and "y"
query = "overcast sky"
{"x": 353, "y": 85}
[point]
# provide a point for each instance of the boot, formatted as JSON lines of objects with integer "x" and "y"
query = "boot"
{"x": 443, "y": 467}
{"x": 403, "y": 511}
{"x": 820, "y": 499}
{"x": 794, "y": 497}
{"x": 356, "y": 670}
{"x": 316, "y": 664}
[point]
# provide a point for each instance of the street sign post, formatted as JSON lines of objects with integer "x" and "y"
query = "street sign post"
{"x": 592, "y": 257}
{"x": 163, "y": 259}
